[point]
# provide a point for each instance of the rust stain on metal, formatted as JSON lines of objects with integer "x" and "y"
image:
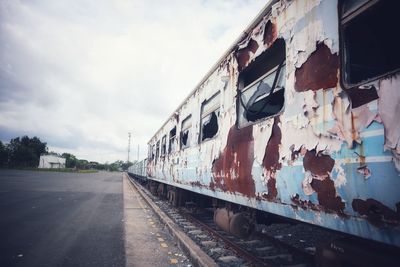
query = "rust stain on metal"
{"x": 320, "y": 167}
{"x": 304, "y": 204}
{"x": 243, "y": 55}
{"x": 232, "y": 170}
{"x": 327, "y": 197}
{"x": 270, "y": 33}
{"x": 271, "y": 159}
{"x": 197, "y": 184}
{"x": 319, "y": 71}
{"x": 317, "y": 163}
{"x": 296, "y": 153}
{"x": 377, "y": 213}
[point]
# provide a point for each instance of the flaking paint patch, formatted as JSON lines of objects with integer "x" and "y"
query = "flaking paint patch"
{"x": 313, "y": 75}
{"x": 270, "y": 33}
{"x": 243, "y": 55}
{"x": 389, "y": 110}
{"x": 350, "y": 122}
{"x": 340, "y": 179}
{"x": 232, "y": 170}
{"x": 271, "y": 161}
{"x": 298, "y": 135}
{"x": 261, "y": 134}
{"x": 321, "y": 166}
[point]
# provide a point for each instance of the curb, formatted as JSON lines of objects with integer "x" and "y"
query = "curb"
{"x": 196, "y": 254}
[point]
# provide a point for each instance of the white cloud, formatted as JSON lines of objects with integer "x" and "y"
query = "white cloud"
{"x": 82, "y": 74}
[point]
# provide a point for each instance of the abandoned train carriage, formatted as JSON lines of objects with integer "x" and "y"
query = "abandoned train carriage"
{"x": 299, "y": 118}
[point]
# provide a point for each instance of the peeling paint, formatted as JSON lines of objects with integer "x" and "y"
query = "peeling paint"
{"x": 313, "y": 75}
{"x": 270, "y": 33}
{"x": 323, "y": 151}
{"x": 389, "y": 110}
{"x": 232, "y": 170}
{"x": 365, "y": 171}
{"x": 243, "y": 54}
{"x": 271, "y": 162}
{"x": 320, "y": 166}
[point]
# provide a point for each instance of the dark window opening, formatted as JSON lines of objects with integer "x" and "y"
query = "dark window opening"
{"x": 172, "y": 137}
{"x": 362, "y": 96}
{"x": 369, "y": 39}
{"x": 263, "y": 63}
{"x": 185, "y": 132}
{"x": 261, "y": 86}
{"x": 157, "y": 150}
{"x": 209, "y": 117}
{"x": 153, "y": 152}
{"x": 184, "y": 138}
{"x": 209, "y": 126}
{"x": 163, "y": 145}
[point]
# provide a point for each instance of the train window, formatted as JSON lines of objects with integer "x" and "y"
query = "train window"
{"x": 149, "y": 152}
{"x": 261, "y": 86}
{"x": 172, "y": 137}
{"x": 153, "y": 152}
{"x": 157, "y": 150}
{"x": 163, "y": 145}
{"x": 369, "y": 42}
{"x": 209, "y": 117}
{"x": 185, "y": 132}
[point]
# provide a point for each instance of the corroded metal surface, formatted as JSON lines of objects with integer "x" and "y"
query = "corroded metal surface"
{"x": 330, "y": 157}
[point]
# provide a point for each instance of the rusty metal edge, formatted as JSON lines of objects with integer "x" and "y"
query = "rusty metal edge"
{"x": 196, "y": 254}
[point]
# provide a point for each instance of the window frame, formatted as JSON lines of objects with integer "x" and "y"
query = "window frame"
{"x": 171, "y": 141}
{"x": 343, "y": 19}
{"x": 157, "y": 150}
{"x": 153, "y": 152}
{"x": 189, "y": 117}
{"x": 163, "y": 146}
{"x": 242, "y": 89}
{"x": 202, "y": 116}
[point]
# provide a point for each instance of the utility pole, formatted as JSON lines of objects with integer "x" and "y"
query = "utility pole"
{"x": 129, "y": 145}
{"x": 138, "y": 152}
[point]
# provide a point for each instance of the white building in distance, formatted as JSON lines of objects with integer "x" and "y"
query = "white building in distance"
{"x": 51, "y": 162}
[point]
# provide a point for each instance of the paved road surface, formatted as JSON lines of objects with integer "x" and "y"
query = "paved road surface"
{"x": 61, "y": 219}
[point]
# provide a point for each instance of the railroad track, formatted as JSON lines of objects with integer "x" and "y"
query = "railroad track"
{"x": 270, "y": 245}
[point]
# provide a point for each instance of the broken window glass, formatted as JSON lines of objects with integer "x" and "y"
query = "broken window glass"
{"x": 371, "y": 48}
{"x": 172, "y": 137}
{"x": 185, "y": 132}
{"x": 209, "y": 117}
{"x": 261, "y": 86}
{"x": 163, "y": 145}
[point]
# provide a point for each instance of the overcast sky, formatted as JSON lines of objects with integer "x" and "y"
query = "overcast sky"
{"x": 82, "y": 74}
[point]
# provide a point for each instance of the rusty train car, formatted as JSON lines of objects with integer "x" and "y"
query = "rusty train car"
{"x": 299, "y": 118}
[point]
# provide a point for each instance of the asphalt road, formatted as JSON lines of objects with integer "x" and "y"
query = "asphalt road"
{"x": 61, "y": 219}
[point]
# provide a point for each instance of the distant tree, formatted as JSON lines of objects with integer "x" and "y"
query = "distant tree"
{"x": 3, "y": 155}
{"x": 82, "y": 164}
{"x": 126, "y": 165}
{"x": 70, "y": 160}
{"x": 25, "y": 151}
